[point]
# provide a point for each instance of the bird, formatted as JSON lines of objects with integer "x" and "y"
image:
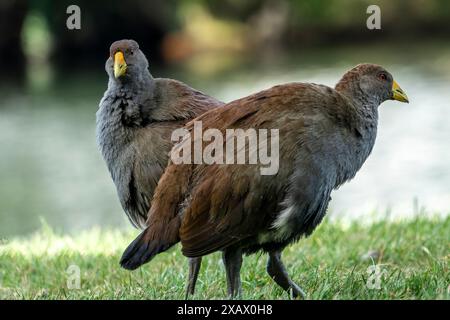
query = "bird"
{"x": 134, "y": 123}
{"x": 325, "y": 136}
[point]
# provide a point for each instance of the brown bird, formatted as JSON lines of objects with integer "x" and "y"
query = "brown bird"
{"x": 135, "y": 120}
{"x": 325, "y": 135}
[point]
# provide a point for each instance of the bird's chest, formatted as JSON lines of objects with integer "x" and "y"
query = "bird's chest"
{"x": 352, "y": 155}
{"x": 112, "y": 135}
{"x": 115, "y": 138}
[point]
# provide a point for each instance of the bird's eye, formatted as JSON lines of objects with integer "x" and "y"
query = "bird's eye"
{"x": 382, "y": 76}
{"x": 131, "y": 52}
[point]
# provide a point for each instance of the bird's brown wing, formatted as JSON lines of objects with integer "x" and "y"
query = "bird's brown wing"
{"x": 178, "y": 101}
{"x": 226, "y": 207}
{"x": 170, "y": 194}
{"x": 229, "y": 203}
{"x": 150, "y": 150}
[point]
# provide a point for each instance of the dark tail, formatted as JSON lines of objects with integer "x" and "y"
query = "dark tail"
{"x": 147, "y": 245}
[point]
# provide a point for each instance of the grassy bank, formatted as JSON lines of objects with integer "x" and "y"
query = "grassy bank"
{"x": 413, "y": 258}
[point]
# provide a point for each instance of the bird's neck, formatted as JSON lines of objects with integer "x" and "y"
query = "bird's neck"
{"x": 362, "y": 119}
{"x": 121, "y": 113}
{"x": 140, "y": 87}
{"x": 365, "y": 107}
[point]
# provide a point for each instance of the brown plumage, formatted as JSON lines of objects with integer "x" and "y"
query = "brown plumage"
{"x": 325, "y": 136}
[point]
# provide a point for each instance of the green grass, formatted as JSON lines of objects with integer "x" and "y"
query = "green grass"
{"x": 413, "y": 256}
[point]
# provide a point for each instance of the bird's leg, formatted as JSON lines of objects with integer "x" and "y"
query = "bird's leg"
{"x": 232, "y": 259}
{"x": 194, "y": 268}
{"x": 278, "y": 273}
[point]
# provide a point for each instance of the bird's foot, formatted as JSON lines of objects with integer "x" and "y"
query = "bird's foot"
{"x": 295, "y": 292}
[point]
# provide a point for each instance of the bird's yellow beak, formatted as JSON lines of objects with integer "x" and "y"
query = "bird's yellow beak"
{"x": 398, "y": 94}
{"x": 120, "y": 66}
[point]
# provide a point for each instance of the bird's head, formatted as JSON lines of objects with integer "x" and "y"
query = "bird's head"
{"x": 126, "y": 60}
{"x": 370, "y": 82}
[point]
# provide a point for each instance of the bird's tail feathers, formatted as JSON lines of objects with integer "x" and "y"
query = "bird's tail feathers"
{"x": 149, "y": 243}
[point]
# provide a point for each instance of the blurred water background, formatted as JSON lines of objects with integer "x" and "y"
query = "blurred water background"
{"x": 51, "y": 170}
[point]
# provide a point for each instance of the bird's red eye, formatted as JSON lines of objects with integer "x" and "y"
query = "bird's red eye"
{"x": 383, "y": 76}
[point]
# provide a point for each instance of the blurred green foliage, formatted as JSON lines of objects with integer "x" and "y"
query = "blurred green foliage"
{"x": 175, "y": 29}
